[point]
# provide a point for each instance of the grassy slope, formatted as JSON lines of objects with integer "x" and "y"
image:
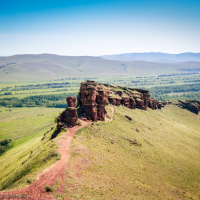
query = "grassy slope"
{"x": 29, "y": 124}
{"x": 104, "y": 165}
{"x": 47, "y": 66}
{"x": 16, "y": 122}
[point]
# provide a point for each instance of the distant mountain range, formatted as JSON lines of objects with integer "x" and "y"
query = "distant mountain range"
{"x": 155, "y": 57}
{"x": 42, "y": 67}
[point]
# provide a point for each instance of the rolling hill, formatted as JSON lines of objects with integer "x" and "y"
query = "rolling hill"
{"x": 40, "y": 67}
{"x": 155, "y": 57}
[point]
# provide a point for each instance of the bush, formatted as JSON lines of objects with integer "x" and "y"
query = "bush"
{"x": 29, "y": 181}
{"x": 51, "y": 154}
{"x": 79, "y": 123}
{"x": 56, "y": 120}
{"x": 64, "y": 130}
{"x": 48, "y": 188}
{"x": 5, "y": 145}
{"x": 2, "y": 149}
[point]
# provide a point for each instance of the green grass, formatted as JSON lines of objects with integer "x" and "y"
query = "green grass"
{"x": 32, "y": 150}
{"x": 16, "y": 122}
{"x": 48, "y": 188}
{"x": 104, "y": 164}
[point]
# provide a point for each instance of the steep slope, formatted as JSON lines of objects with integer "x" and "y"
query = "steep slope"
{"x": 48, "y": 67}
{"x": 30, "y": 130}
{"x": 155, "y": 156}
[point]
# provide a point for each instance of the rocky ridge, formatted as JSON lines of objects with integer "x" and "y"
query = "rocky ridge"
{"x": 193, "y": 106}
{"x": 93, "y": 97}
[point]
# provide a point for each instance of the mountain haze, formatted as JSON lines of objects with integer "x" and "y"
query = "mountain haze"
{"x": 48, "y": 66}
{"x": 155, "y": 57}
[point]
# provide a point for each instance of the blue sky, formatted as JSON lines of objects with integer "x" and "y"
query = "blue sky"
{"x": 99, "y": 27}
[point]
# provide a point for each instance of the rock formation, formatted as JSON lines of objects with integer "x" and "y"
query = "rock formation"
{"x": 193, "y": 106}
{"x": 68, "y": 117}
{"x": 92, "y": 99}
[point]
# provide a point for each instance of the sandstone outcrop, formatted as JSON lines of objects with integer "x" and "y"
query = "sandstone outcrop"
{"x": 193, "y": 106}
{"x": 93, "y": 97}
{"x": 68, "y": 117}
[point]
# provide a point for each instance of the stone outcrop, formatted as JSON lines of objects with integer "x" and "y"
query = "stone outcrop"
{"x": 92, "y": 99}
{"x": 193, "y": 106}
{"x": 68, "y": 117}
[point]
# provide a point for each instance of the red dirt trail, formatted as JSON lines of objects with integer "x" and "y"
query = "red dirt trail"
{"x": 36, "y": 191}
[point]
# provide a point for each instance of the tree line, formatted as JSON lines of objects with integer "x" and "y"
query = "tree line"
{"x": 52, "y": 100}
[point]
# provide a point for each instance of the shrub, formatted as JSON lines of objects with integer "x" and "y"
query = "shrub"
{"x": 29, "y": 181}
{"x": 2, "y": 149}
{"x": 56, "y": 120}
{"x": 52, "y": 154}
{"x": 5, "y": 145}
{"x": 64, "y": 130}
{"x": 48, "y": 188}
{"x": 79, "y": 123}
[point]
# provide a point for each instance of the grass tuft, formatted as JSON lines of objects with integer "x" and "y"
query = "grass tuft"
{"x": 79, "y": 123}
{"x": 48, "y": 188}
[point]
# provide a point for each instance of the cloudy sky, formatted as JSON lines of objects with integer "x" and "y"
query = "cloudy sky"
{"x": 99, "y": 27}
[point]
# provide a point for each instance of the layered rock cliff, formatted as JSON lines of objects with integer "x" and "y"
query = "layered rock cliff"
{"x": 193, "y": 106}
{"x": 93, "y": 97}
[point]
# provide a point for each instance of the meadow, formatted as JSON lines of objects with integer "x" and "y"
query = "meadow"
{"x": 30, "y": 130}
{"x": 154, "y": 156}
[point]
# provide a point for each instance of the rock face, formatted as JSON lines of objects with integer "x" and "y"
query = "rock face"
{"x": 193, "y": 106}
{"x": 92, "y": 99}
{"x": 68, "y": 117}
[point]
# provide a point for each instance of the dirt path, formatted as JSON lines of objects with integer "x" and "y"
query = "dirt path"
{"x": 36, "y": 191}
{"x": 50, "y": 175}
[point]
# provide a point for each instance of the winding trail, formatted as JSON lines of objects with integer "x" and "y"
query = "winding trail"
{"x": 36, "y": 191}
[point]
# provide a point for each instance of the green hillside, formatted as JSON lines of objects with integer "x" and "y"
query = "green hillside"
{"x": 29, "y": 154}
{"x": 159, "y": 161}
{"x": 154, "y": 156}
{"x": 48, "y": 66}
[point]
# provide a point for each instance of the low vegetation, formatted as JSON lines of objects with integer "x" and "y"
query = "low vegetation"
{"x": 48, "y": 188}
{"x": 5, "y": 145}
{"x": 154, "y": 156}
{"x": 32, "y": 150}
